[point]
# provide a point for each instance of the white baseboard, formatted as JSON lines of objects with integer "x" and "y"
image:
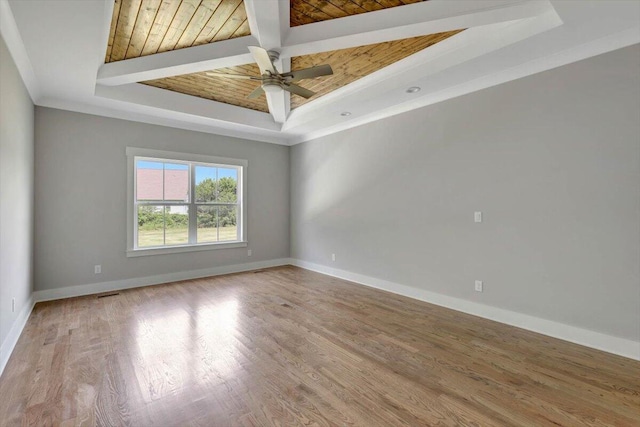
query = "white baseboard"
{"x": 14, "y": 333}
{"x": 117, "y": 285}
{"x": 608, "y": 343}
{"x": 597, "y": 340}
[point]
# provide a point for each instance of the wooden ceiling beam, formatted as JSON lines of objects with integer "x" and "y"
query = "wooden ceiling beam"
{"x": 266, "y": 23}
{"x": 204, "y": 110}
{"x": 225, "y": 53}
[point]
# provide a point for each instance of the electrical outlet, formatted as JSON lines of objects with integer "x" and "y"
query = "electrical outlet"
{"x": 248, "y": 252}
{"x": 333, "y": 257}
{"x": 478, "y": 285}
{"x": 97, "y": 269}
{"x": 13, "y": 305}
{"x": 477, "y": 216}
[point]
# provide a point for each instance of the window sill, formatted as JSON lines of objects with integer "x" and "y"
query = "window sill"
{"x": 181, "y": 249}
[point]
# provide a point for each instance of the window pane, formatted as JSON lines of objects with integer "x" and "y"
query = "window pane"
{"x": 227, "y": 185}
{"x": 150, "y": 226}
{"x": 163, "y": 225}
{"x": 207, "y": 224}
{"x": 177, "y": 225}
{"x": 149, "y": 180}
{"x": 171, "y": 192}
{"x": 227, "y": 228}
{"x": 176, "y": 182}
{"x": 206, "y": 183}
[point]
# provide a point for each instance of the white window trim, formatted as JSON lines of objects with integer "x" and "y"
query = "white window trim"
{"x": 133, "y": 152}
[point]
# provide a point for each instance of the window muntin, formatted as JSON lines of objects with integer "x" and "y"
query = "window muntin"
{"x": 216, "y": 190}
{"x": 181, "y": 203}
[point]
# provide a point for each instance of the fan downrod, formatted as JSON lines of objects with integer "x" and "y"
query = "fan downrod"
{"x": 274, "y": 55}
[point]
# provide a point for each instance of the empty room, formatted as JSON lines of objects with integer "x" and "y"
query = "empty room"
{"x": 319, "y": 213}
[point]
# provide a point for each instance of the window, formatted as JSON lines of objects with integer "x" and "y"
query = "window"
{"x": 181, "y": 202}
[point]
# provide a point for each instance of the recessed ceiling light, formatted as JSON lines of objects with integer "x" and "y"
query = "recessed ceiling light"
{"x": 345, "y": 113}
{"x": 413, "y": 89}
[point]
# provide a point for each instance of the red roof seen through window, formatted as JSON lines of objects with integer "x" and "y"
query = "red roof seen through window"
{"x": 149, "y": 184}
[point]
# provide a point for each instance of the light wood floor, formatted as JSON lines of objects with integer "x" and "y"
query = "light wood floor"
{"x": 287, "y": 346}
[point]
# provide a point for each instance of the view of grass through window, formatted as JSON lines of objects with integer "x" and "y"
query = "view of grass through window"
{"x": 164, "y": 200}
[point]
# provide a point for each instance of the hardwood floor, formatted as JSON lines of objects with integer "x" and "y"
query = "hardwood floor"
{"x": 286, "y": 346}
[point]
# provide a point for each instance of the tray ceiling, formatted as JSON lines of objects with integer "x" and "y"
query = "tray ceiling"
{"x": 348, "y": 66}
{"x": 145, "y": 27}
{"x": 503, "y": 40}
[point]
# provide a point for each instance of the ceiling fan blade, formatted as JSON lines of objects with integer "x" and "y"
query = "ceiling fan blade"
{"x": 309, "y": 73}
{"x": 263, "y": 60}
{"x": 256, "y": 93}
{"x": 298, "y": 90}
{"x": 231, "y": 76}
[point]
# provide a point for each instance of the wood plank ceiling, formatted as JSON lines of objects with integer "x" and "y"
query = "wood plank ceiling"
{"x": 229, "y": 91}
{"x": 145, "y": 27}
{"x": 354, "y": 63}
{"x": 309, "y": 11}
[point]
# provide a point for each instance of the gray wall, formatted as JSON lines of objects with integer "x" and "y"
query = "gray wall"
{"x": 16, "y": 192}
{"x": 552, "y": 160}
{"x": 81, "y": 182}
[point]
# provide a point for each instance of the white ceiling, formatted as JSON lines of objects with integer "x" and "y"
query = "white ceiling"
{"x": 59, "y": 48}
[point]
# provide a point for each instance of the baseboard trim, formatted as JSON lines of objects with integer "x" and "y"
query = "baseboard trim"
{"x": 588, "y": 338}
{"x": 597, "y": 340}
{"x": 14, "y": 333}
{"x": 117, "y": 285}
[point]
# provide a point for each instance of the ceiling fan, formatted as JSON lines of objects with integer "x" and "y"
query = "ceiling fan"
{"x": 273, "y": 81}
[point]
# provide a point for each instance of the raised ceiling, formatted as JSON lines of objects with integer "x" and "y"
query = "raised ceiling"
{"x": 504, "y": 40}
{"x": 145, "y": 27}
{"x": 348, "y": 66}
